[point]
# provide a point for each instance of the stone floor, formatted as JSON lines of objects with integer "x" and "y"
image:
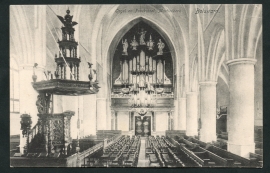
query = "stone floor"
{"x": 143, "y": 161}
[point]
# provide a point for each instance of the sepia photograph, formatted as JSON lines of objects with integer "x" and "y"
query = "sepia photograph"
{"x": 136, "y": 85}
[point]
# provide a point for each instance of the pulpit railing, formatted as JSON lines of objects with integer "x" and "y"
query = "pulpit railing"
{"x": 35, "y": 139}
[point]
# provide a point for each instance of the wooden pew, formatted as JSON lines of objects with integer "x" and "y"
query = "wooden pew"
{"x": 209, "y": 158}
{"x": 184, "y": 155}
{"x": 189, "y": 145}
{"x": 169, "y": 162}
{"x": 232, "y": 159}
{"x": 192, "y": 155}
{"x": 216, "y": 158}
{"x": 256, "y": 160}
{"x": 178, "y": 162}
{"x": 152, "y": 158}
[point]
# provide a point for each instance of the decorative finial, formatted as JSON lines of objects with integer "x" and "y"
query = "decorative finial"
{"x": 134, "y": 43}
{"x": 150, "y": 43}
{"x": 67, "y": 19}
{"x": 34, "y": 76}
{"x": 68, "y": 11}
{"x": 90, "y": 76}
{"x": 161, "y": 46}
{"x": 90, "y": 64}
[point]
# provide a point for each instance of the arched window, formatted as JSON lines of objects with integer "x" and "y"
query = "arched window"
{"x": 14, "y": 87}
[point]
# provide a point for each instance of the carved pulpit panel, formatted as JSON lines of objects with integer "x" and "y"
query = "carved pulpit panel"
{"x": 55, "y": 130}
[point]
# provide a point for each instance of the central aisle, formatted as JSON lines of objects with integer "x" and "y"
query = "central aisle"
{"x": 143, "y": 162}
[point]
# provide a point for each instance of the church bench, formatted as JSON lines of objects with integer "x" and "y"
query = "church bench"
{"x": 202, "y": 156}
{"x": 164, "y": 150}
{"x": 148, "y": 151}
{"x": 197, "y": 149}
{"x": 211, "y": 164}
{"x": 189, "y": 159}
{"x": 160, "y": 159}
{"x": 189, "y": 145}
{"x": 54, "y": 155}
{"x": 17, "y": 155}
{"x": 178, "y": 162}
{"x": 167, "y": 159}
{"x": 152, "y": 158}
{"x": 201, "y": 143}
{"x": 199, "y": 152}
{"x": 130, "y": 161}
{"x": 229, "y": 155}
{"x": 242, "y": 160}
{"x": 32, "y": 155}
{"x": 256, "y": 160}
{"x": 193, "y": 156}
{"x": 113, "y": 156}
{"x": 185, "y": 155}
{"x": 206, "y": 158}
{"x": 257, "y": 156}
{"x": 43, "y": 155}
{"x": 218, "y": 159}
{"x": 114, "y": 163}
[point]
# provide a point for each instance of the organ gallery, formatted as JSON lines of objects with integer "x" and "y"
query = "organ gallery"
{"x": 99, "y": 86}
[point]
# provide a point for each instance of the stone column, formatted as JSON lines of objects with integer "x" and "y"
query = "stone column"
{"x": 182, "y": 114}
{"x": 129, "y": 120}
{"x": 240, "y": 122}
{"x": 112, "y": 120}
{"x": 169, "y": 120}
{"x": 175, "y": 115}
{"x": 154, "y": 121}
{"x": 172, "y": 120}
{"x": 132, "y": 120}
{"x": 108, "y": 114}
{"x": 115, "y": 119}
{"x": 101, "y": 114}
{"x": 208, "y": 111}
{"x": 192, "y": 114}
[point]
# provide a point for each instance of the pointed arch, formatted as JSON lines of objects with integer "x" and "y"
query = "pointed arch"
{"x": 127, "y": 27}
{"x": 23, "y": 38}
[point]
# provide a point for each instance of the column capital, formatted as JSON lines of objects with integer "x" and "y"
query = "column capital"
{"x": 208, "y": 83}
{"x": 241, "y": 61}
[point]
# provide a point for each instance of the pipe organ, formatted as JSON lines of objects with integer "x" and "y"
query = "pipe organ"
{"x": 142, "y": 78}
{"x": 142, "y": 66}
